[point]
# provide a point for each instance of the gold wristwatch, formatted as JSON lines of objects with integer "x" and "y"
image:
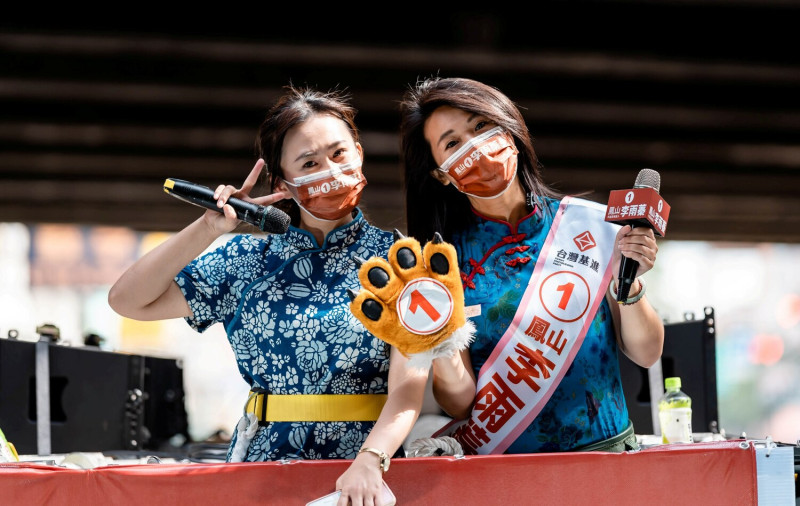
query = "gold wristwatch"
{"x": 385, "y": 460}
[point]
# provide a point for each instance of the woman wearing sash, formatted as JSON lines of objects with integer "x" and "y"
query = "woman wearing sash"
{"x": 318, "y": 379}
{"x": 545, "y": 381}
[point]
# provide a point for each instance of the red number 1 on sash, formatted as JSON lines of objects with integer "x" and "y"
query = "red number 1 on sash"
{"x": 567, "y": 289}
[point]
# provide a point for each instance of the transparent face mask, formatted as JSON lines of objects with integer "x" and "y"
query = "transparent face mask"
{"x": 475, "y": 142}
{"x": 345, "y": 175}
{"x": 329, "y": 194}
{"x": 485, "y": 166}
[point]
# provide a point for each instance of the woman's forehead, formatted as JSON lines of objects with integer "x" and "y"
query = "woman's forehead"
{"x": 443, "y": 119}
{"x": 317, "y": 132}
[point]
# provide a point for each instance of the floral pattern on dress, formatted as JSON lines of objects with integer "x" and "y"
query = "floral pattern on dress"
{"x": 588, "y": 405}
{"x": 283, "y": 302}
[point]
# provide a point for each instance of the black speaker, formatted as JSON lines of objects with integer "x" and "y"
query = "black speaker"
{"x": 689, "y": 353}
{"x": 164, "y": 408}
{"x": 99, "y": 400}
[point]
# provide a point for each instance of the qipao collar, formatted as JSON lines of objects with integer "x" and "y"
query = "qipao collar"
{"x": 340, "y": 237}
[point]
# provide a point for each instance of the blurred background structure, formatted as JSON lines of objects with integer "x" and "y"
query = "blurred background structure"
{"x": 94, "y": 118}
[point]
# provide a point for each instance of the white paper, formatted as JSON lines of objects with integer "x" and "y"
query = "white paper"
{"x": 775, "y": 470}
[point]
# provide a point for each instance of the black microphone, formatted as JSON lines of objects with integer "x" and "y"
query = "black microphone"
{"x": 266, "y": 218}
{"x": 641, "y": 206}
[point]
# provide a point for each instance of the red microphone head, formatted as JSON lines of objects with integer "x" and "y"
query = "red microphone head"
{"x": 641, "y": 206}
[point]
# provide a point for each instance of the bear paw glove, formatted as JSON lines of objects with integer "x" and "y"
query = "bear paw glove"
{"x": 415, "y": 301}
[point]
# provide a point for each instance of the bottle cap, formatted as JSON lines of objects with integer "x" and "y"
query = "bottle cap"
{"x": 672, "y": 383}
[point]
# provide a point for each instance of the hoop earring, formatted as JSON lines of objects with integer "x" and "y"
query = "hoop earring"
{"x": 530, "y": 201}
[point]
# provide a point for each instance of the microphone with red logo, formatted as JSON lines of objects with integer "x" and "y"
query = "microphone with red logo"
{"x": 641, "y": 206}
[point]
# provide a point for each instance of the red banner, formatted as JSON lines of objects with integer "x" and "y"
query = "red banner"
{"x": 701, "y": 473}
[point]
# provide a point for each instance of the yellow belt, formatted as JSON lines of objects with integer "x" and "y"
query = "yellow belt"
{"x": 315, "y": 408}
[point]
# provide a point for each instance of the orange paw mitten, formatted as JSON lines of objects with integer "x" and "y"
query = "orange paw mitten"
{"x": 415, "y": 301}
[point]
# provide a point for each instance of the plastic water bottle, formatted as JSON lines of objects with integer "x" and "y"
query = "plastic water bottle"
{"x": 675, "y": 413}
{"x": 7, "y": 454}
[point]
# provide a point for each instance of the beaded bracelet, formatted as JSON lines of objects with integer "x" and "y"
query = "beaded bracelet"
{"x": 630, "y": 300}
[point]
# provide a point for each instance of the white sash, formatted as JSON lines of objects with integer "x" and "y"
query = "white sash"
{"x": 558, "y": 306}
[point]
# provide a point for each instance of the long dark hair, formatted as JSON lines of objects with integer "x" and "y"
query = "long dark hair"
{"x": 297, "y": 105}
{"x": 433, "y": 207}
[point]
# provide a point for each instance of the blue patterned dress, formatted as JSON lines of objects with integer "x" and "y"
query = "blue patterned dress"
{"x": 282, "y": 299}
{"x": 496, "y": 261}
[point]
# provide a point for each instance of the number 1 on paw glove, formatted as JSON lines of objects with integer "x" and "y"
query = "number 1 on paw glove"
{"x": 415, "y": 301}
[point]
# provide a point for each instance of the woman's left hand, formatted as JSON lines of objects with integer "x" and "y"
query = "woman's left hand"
{"x": 361, "y": 484}
{"x": 637, "y": 243}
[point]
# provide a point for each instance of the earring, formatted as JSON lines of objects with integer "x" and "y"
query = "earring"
{"x": 530, "y": 200}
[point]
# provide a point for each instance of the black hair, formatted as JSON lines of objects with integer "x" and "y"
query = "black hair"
{"x": 433, "y": 207}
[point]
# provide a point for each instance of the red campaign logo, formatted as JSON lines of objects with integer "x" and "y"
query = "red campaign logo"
{"x": 584, "y": 241}
{"x": 419, "y": 300}
{"x": 424, "y": 306}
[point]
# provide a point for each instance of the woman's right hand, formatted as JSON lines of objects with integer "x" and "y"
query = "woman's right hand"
{"x": 361, "y": 483}
{"x": 147, "y": 289}
{"x": 222, "y": 223}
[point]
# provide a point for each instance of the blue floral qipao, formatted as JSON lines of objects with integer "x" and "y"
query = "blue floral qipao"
{"x": 496, "y": 261}
{"x": 283, "y": 300}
